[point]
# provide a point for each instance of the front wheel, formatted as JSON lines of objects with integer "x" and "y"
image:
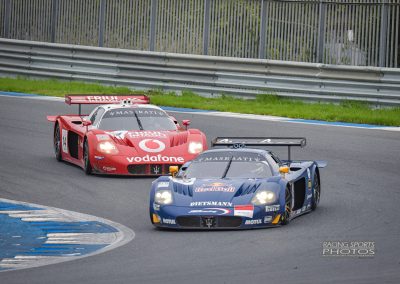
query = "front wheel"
{"x": 316, "y": 192}
{"x": 86, "y": 161}
{"x": 288, "y": 206}
{"x": 57, "y": 142}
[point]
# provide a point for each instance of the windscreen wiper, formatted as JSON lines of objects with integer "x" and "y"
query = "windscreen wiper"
{"x": 227, "y": 167}
{"x": 138, "y": 121}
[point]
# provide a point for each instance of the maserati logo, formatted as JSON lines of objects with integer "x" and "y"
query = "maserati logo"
{"x": 209, "y": 222}
{"x": 152, "y": 145}
{"x": 156, "y": 169}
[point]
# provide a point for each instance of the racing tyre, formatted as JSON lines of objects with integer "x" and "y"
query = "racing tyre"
{"x": 151, "y": 219}
{"x": 86, "y": 161}
{"x": 57, "y": 142}
{"x": 288, "y": 206}
{"x": 316, "y": 192}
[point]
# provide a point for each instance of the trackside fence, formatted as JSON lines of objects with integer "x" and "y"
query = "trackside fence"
{"x": 344, "y": 32}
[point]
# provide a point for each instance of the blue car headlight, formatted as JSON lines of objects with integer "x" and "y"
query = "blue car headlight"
{"x": 163, "y": 197}
{"x": 264, "y": 197}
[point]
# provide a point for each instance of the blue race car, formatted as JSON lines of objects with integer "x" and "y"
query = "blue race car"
{"x": 239, "y": 186}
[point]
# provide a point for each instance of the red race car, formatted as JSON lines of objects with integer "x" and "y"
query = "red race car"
{"x": 124, "y": 135}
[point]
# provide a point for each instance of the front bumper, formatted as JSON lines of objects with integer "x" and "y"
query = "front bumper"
{"x": 118, "y": 165}
{"x": 176, "y": 217}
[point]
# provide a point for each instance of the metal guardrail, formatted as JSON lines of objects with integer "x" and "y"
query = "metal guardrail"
{"x": 206, "y": 75}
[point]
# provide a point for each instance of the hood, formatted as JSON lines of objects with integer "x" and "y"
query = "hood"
{"x": 221, "y": 193}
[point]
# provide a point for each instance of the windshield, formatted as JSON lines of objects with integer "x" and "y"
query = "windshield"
{"x": 136, "y": 119}
{"x": 229, "y": 165}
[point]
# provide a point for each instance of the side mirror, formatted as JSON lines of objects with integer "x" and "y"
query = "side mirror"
{"x": 86, "y": 123}
{"x": 185, "y": 166}
{"x": 186, "y": 123}
{"x": 173, "y": 170}
{"x": 174, "y": 120}
{"x": 283, "y": 170}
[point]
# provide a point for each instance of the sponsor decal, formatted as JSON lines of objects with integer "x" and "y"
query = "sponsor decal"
{"x": 99, "y": 158}
{"x": 253, "y": 222}
{"x": 109, "y": 169}
{"x": 146, "y": 112}
{"x": 267, "y": 219}
{"x": 215, "y": 211}
{"x": 132, "y": 112}
{"x": 272, "y": 208}
{"x": 211, "y": 203}
{"x": 156, "y": 206}
{"x": 102, "y": 137}
{"x": 228, "y": 158}
{"x": 146, "y": 134}
{"x": 101, "y": 98}
{"x": 152, "y": 145}
{"x": 346, "y": 248}
{"x": 163, "y": 184}
{"x": 64, "y": 141}
{"x": 243, "y": 210}
{"x": 119, "y": 112}
{"x": 94, "y": 99}
{"x": 157, "y": 158}
{"x": 215, "y": 187}
{"x": 168, "y": 221}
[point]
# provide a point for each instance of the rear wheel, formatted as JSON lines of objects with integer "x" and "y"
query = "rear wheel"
{"x": 57, "y": 142}
{"x": 288, "y": 206}
{"x": 86, "y": 161}
{"x": 316, "y": 192}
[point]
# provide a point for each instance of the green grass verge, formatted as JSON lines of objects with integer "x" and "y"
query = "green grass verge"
{"x": 347, "y": 111}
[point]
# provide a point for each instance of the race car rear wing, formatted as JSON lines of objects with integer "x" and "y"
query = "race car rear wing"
{"x": 241, "y": 142}
{"x": 105, "y": 99}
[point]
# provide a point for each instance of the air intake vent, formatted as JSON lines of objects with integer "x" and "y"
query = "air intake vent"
{"x": 247, "y": 188}
{"x": 209, "y": 222}
{"x": 183, "y": 189}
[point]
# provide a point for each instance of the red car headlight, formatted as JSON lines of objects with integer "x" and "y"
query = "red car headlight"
{"x": 195, "y": 147}
{"x": 107, "y": 147}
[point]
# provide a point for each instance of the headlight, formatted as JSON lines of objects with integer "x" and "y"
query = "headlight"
{"x": 163, "y": 197}
{"x": 107, "y": 147}
{"x": 263, "y": 197}
{"x": 195, "y": 147}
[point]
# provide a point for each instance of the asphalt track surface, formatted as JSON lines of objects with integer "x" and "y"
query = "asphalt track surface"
{"x": 360, "y": 202}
